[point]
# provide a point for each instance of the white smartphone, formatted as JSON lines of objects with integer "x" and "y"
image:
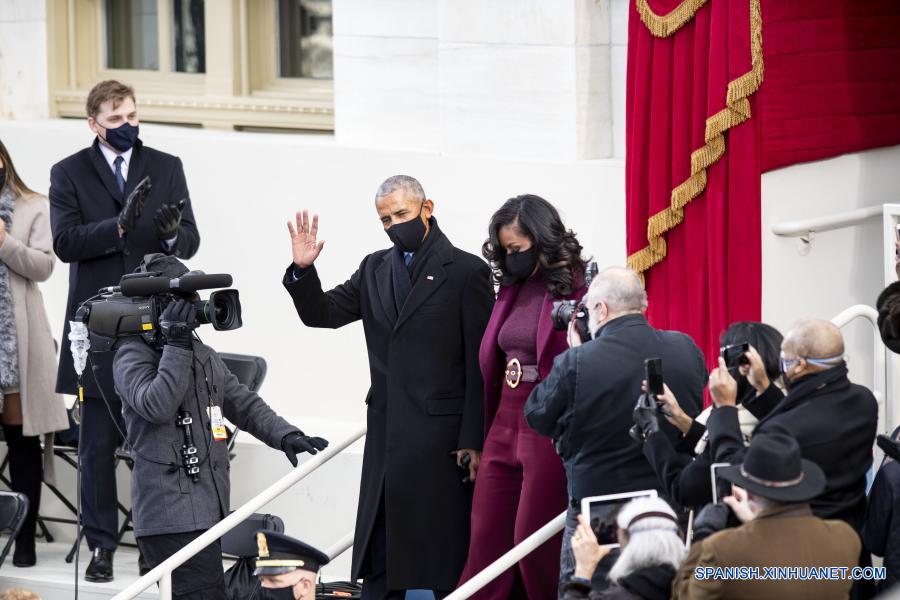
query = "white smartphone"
{"x": 601, "y": 513}
{"x": 712, "y": 476}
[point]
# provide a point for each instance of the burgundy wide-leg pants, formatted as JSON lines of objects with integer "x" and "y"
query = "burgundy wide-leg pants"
{"x": 520, "y": 486}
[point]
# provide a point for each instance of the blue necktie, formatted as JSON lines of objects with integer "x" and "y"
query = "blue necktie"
{"x": 407, "y": 258}
{"x": 119, "y": 178}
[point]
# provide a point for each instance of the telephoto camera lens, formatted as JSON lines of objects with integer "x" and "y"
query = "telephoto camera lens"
{"x": 222, "y": 310}
{"x": 562, "y": 313}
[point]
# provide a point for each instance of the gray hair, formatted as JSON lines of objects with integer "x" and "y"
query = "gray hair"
{"x": 815, "y": 338}
{"x": 411, "y": 187}
{"x": 652, "y": 541}
{"x": 620, "y": 288}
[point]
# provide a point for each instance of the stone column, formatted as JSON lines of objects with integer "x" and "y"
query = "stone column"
{"x": 23, "y": 60}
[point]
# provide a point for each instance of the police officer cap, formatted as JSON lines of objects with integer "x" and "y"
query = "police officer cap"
{"x": 279, "y": 553}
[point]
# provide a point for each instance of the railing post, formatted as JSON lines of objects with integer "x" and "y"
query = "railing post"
{"x": 165, "y": 586}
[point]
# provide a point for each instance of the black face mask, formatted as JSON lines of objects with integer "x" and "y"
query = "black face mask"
{"x": 2, "y": 177}
{"x": 285, "y": 593}
{"x": 519, "y": 265}
{"x": 408, "y": 236}
{"x": 123, "y": 137}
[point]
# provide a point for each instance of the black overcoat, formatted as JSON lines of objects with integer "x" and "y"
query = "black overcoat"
{"x": 425, "y": 401}
{"x": 85, "y": 203}
{"x": 833, "y": 420}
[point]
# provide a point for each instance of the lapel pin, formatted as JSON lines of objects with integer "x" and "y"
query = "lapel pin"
{"x": 430, "y": 277}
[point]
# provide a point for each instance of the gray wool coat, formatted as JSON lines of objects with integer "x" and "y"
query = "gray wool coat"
{"x": 153, "y": 385}
{"x": 27, "y": 251}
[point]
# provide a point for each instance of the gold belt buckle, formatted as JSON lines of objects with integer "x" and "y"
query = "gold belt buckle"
{"x": 513, "y": 370}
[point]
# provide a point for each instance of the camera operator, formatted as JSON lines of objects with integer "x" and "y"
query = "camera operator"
{"x": 772, "y": 488}
{"x": 832, "y": 419}
{"x": 103, "y": 223}
{"x": 586, "y": 402}
{"x": 651, "y": 551}
{"x": 686, "y": 476}
{"x": 174, "y": 399}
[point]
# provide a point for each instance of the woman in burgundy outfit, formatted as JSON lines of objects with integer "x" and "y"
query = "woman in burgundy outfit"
{"x": 521, "y": 484}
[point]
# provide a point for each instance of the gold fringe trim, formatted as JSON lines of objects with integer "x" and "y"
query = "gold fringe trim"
{"x": 666, "y": 25}
{"x": 736, "y": 111}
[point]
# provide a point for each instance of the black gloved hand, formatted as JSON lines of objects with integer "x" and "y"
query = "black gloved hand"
{"x": 176, "y": 323}
{"x": 889, "y": 446}
{"x": 134, "y": 205}
{"x": 712, "y": 518}
{"x": 297, "y": 442}
{"x": 167, "y": 219}
{"x": 645, "y": 416}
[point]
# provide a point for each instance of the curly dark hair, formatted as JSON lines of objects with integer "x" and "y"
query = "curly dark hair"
{"x": 558, "y": 250}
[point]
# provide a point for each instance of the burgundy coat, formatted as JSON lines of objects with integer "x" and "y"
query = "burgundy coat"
{"x": 550, "y": 343}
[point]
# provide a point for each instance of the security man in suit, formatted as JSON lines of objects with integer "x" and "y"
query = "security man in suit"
{"x": 103, "y": 238}
{"x": 286, "y": 567}
{"x": 424, "y": 306}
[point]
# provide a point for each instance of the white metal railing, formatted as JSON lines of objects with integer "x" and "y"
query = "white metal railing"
{"x": 163, "y": 572}
{"x": 495, "y": 569}
{"x": 827, "y": 223}
{"x": 880, "y": 384}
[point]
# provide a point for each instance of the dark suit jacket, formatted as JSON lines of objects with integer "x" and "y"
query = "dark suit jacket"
{"x": 85, "y": 203}
{"x": 585, "y": 404}
{"x": 425, "y": 401}
{"x": 833, "y": 420}
{"x": 787, "y": 536}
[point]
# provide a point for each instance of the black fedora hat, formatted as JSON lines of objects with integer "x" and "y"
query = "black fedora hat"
{"x": 774, "y": 469}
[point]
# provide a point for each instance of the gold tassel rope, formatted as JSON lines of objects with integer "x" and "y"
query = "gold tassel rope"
{"x": 736, "y": 111}
{"x": 666, "y": 25}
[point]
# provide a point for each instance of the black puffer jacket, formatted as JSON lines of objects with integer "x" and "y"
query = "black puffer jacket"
{"x": 651, "y": 583}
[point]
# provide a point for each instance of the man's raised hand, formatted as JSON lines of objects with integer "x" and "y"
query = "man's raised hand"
{"x": 304, "y": 246}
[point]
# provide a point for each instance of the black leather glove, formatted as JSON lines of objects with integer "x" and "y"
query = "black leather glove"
{"x": 134, "y": 205}
{"x": 176, "y": 323}
{"x": 167, "y": 220}
{"x": 888, "y": 446}
{"x": 297, "y": 442}
{"x": 645, "y": 417}
{"x": 712, "y": 518}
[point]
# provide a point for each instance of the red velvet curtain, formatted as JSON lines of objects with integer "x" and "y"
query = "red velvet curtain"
{"x": 701, "y": 126}
{"x": 704, "y": 272}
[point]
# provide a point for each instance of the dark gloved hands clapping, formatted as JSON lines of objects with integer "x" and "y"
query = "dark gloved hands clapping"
{"x": 167, "y": 220}
{"x": 134, "y": 205}
{"x": 646, "y": 420}
{"x": 298, "y": 442}
{"x": 176, "y": 323}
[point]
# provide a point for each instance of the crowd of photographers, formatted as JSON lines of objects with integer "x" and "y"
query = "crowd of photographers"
{"x": 551, "y": 395}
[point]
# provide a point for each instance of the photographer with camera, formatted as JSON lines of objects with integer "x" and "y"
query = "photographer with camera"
{"x": 751, "y": 352}
{"x": 111, "y": 204}
{"x": 832, "y": 419}
{"x": 521, "y": 482}
{"x": 586, "y": 402}
{"x": 175, "y": 395}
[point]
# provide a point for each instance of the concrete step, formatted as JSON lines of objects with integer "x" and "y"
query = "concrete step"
{"x": 54, "y": 579}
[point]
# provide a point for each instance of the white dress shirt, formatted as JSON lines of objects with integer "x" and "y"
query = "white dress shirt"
{"x": 110, "y": 155}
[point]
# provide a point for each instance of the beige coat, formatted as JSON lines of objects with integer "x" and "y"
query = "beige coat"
{"x": 786, "y": 536}
{"x": 27, "y": 251}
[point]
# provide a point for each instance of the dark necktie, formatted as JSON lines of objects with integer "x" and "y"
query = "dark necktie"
{"x": 120, "y": 180}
